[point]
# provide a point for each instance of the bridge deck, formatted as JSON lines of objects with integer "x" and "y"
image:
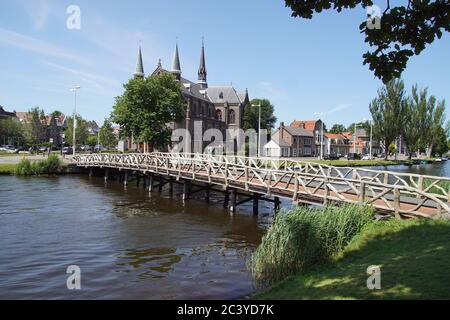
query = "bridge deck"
{"x": 388, "y": 192}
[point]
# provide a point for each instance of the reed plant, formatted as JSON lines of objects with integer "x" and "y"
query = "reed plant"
{"x": 306, "y": 237}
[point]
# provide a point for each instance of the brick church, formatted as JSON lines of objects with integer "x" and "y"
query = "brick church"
{"x": 219, "y": 107}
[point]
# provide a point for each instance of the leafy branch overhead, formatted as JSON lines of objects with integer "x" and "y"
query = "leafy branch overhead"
{"x": 404, "y": 31}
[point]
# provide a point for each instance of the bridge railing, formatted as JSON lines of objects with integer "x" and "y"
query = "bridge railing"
{"x": 385, "y": 190}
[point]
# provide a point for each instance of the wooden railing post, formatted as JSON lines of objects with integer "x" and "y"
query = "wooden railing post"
{"x": 362, "y": 192}
{"x": 397, "y": 202}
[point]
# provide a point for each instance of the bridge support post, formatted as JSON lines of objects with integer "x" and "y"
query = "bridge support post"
{"x": 125, "y": 179}
{"x": 171, "y": 186}
{"x": 255, "y": 204}
{"x": 150, "y": 183}
{"x": 91, "y": 172}
{"x": 277, "y": 205}
{"x": 106, "y": 174}
{"x": 226, "y": 199}
{"x": 233, "y": 198}
{"x": 207, "y": 193}
{"x": 161, "y": 183}
{"x": 186, "y": 189}
{"x": 138, "y": 179}
{"x": 144, "y": 180}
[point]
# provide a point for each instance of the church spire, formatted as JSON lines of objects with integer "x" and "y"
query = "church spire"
{"x": 176, "y": 66}
{"x": 139, "y": 73}
{"x": 202, "y": 69}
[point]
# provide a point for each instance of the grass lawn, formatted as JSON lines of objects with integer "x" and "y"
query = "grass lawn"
{"x": 359, "y": 163}
{"x": 7, "y": 168}
{"x": 414, "y": 257}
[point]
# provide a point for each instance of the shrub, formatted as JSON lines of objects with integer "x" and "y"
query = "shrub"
{"x": 306, "y": 237}
{"x": 48, "y": 166}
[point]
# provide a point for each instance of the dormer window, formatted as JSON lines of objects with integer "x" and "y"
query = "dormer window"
{"x": 221, "y": 96}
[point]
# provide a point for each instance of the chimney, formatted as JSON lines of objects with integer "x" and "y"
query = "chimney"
{"x": 282, "y": 130}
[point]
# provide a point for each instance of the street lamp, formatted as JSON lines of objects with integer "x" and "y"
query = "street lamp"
{"x": 320, "y": 114}
{"x": 259, "y": 127}
{"x": 370, "y": 143}
{"x": 74, "y": 90}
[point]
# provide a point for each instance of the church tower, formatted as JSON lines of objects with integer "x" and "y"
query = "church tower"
{"x": 139, "y": 72}
{"x": 176, "y": 66}
{"x": 202, "y": 69}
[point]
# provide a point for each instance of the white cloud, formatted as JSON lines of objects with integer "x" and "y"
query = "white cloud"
{"x": 338, "y": 108}
{"x": 14, "y": 39}
{"x": 94, "y": 82}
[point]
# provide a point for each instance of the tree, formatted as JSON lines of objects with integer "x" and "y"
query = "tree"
{"x": 440, "y": 146}
{"x": 11, "y": 131}
{"x": 36, "y": 130}
{"x": 251, "y": 115}
{"x": 106, "y": 135}
{"x": 388, "y": 111}
{"x": 403, "y": 31}
{"x": 81, "y": 132}
{"x": 436, "y": 131}
{"x": 147, "y": 106}
{"x": 337, "y": 128}
{"x": 360, "y": 125}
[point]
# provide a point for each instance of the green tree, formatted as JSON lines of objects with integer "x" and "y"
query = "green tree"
{"x": 36, "y": 128}
{"x": 147, "y": 106}
{"x": 440, "y": 146}
{"x": 436, "y": 130}
{"x": 11, "y": 131}
{"x": 388, "y": 112}
{"x": 404, "y": 30}
{"x": 360, "y": 125}
{"x": 107, "y": 136}
{"x": 251, "y": 115}
{"x": 81, "y": 132}
{"x": 338, "y": 128}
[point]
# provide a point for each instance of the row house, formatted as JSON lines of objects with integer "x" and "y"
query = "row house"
{"x": 315, "y": 128}
{"x": 289, "y": 141}
{"x": 337, "y": 144}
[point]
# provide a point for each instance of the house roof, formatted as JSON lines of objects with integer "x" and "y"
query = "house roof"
{"x": 298, "y": 131}
{"x": 309, "y": 125}
{"x": 3, "y": 112}
{"x": 281, "y": 142}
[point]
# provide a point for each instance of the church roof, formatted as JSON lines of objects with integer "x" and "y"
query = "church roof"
{"x": 176, "y": 66}
{"x": 139, "y": 65}
{"x": 223, "y": 94}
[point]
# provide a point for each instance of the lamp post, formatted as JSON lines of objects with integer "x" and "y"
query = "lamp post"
{"x": 74, "y": 90}
{"x": 259, "y": 127}
{"x": 371, "y": 135}
{"x": 320, "y": 114}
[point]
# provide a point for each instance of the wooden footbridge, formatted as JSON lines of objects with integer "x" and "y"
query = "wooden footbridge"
{"x": 245, "y": 179}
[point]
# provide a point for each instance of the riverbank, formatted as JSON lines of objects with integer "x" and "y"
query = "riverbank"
{"x": 413, "y": 255}
{"x": 10, "y": 169}
{"x": 372, "y": 163}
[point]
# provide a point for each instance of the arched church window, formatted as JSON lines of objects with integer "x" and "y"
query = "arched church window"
{"x": 232, "y": 116}
{"x": 219, "y": 115}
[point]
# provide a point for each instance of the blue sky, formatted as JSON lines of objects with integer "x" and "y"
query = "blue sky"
{"x": 302, "y": 66}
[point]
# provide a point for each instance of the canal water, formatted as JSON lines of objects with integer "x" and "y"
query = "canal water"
{"x": 128, "y": 244}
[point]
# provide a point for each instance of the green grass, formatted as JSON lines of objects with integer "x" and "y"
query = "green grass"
{"x": 50, "y": 165}
{"x": 304, "y": 237}
{"x": 359, "y": 163}
{"x": 7, "y": 168}
{"x": 414, "y": 256}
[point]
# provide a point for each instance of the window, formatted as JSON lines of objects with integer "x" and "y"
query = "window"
{"x": 308, "y": 141}
{"x": 219, "y": 115}
{"x": 294, "y": 152}
{"x": 232, "y": 117}
{"x": 221, "y": 96}
{"x": 307, "y": 151}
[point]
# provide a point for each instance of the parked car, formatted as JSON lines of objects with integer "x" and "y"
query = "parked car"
{"x": 67, "y": 150}
{"x": 353, "y": 156}
{"x": 43, "y": 149}
{"x": 331, "y": 156}
{"x": 8, "y": 148}
{"x": 86, "y": 148}
{"x": 365, "y": 157}
{"x": 381, "y": 155}
{"x": 99, "y": 148}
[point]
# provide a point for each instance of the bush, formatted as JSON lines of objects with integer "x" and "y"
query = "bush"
{"x": 48, "y": 166}
{"x": 306, "y": 237}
